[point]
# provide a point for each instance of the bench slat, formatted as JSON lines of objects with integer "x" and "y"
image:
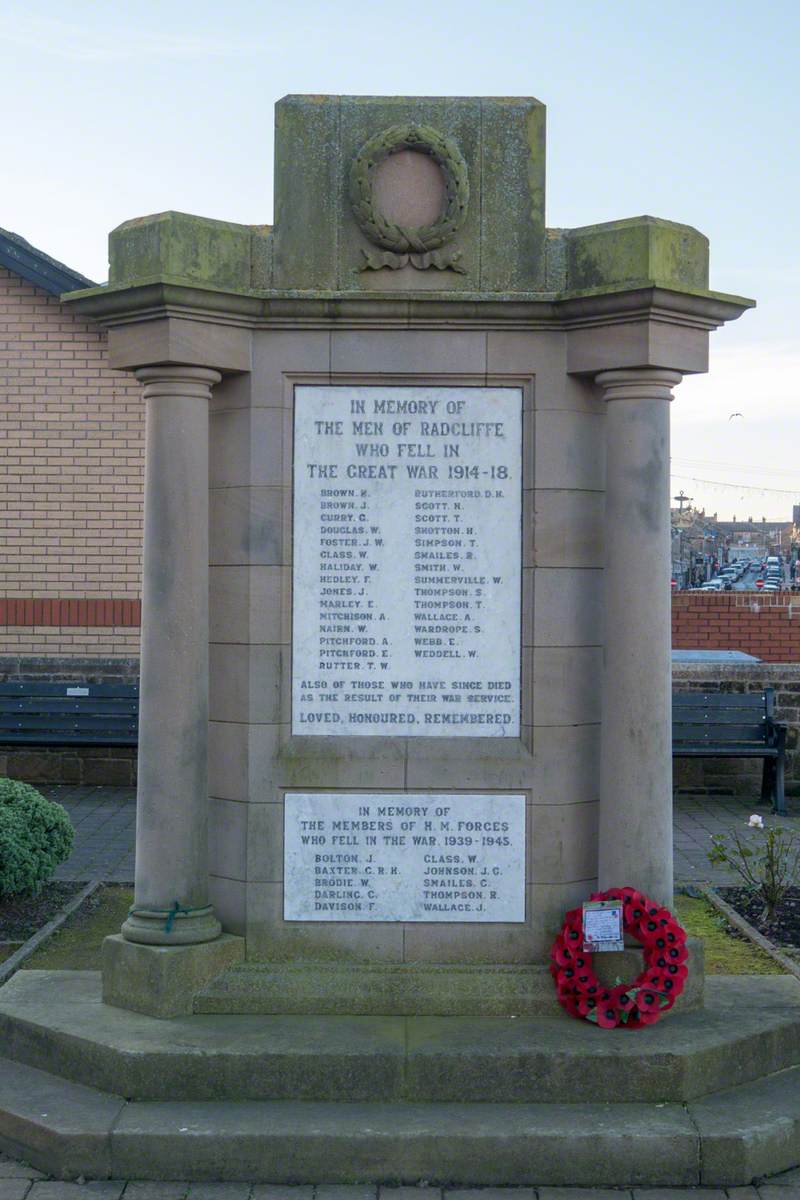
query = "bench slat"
{"x": 94, "y": 690}
{"x": 714, "y": 750}
{"x": 57, "y": 704}
{"x": 39, "y": 738}
{"x": 719, "y": 733}
{"x": 737, "y": 716}
{"x": 719, "y": 699}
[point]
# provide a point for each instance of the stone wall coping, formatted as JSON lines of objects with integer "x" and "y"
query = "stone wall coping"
{"x": 736, "y": 672}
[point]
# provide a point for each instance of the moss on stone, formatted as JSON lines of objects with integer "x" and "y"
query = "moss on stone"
{"x": 636, "y": 251}
{"x": 192, "y": 249}
{"x": 76, "y": 946}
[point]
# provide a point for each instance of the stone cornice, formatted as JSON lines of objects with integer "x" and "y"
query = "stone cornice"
{"x": 637, "y": 301}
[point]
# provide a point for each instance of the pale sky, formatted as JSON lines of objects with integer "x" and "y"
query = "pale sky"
{"x": 683, "y": 110}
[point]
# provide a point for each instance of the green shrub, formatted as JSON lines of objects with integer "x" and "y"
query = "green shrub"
{"x": 35, "y": 836}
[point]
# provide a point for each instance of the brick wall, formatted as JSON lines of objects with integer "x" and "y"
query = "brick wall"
{"x": 767, "y": 626}
{"x": 71, "y": 477}
{"x": 731, "y": 775}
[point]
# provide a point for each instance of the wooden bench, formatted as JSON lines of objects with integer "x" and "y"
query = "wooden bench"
{"x": 63, "y": 714}
{"x": 733, "y": 725}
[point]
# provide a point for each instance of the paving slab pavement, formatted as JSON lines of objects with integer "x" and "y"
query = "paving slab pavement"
{"x": 18, "y": 1181}
{"x": 105, "y": 835}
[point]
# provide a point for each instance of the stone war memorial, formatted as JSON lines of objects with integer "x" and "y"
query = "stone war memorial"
{"x": 405, "y": 692}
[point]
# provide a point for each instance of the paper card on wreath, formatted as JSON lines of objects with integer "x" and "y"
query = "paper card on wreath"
{"x": 602, "y": 926}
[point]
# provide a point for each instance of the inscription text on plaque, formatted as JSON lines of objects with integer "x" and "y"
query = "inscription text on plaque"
{"x": 407, "y": 560}
{"x": 378, "y": 856}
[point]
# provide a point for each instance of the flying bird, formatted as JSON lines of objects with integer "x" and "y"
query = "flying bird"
{"x": 730, "y": 418}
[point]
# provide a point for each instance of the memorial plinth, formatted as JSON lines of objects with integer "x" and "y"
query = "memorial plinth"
{"x": 437, "y": 439}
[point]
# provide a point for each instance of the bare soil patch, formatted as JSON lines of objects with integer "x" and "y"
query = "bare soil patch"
{"x": 783, "y": 929}
{"x": 21, "y": 916}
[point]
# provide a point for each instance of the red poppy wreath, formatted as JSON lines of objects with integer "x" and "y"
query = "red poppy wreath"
{"x": 652, "y": 993}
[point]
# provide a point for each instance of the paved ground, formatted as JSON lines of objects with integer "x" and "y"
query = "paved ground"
{"x": 18, "y": 1182}
{"x": 105, "y": 834}
{"x": 698, "y": 817}
{"x": 105, "y": 820}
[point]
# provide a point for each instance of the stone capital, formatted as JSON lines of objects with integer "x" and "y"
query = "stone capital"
{"x": 169, "y": 380}
{"x": 646, "y": 383}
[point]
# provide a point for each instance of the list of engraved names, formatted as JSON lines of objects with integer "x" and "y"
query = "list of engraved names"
{"x": 407, "y": 559}
{"x": 381, "y": 856}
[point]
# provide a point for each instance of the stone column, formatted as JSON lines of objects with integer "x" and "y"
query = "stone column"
{"x": 635, "y": 838}
{"x": 171, "y": 897}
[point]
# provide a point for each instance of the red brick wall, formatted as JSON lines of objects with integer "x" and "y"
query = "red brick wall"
{"x": 765, "y": 626}
{"x": 71, "y": 469}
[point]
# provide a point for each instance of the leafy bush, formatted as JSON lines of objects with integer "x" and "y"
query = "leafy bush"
{"x": 35, "y": 836}
{"x": 768, "y": 862}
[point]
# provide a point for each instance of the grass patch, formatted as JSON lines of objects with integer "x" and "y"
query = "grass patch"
{"x": 7, "y": 951}
{"x": 76, "y": 946}
{"x": 726, "y": 953}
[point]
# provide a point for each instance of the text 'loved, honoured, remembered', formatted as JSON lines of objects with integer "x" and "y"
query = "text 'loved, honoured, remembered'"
{"x": 407, "y": 561}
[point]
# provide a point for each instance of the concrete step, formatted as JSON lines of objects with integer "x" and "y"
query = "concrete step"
{"x": 69, "y": 1130}
{"x": 55, "y": 1021}
{"x": 414, "y": 989}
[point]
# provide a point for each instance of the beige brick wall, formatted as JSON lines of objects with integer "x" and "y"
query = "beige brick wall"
{"x": 63, "y": 641}
{"x": 71, "y": 470}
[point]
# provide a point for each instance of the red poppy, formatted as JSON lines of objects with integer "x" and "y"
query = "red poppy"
{"x": 586, "y": 1005}
{"x": 563, "y": 954}
{"x": 648, "y": 1018}
{"x": 587, "y": 983}
{"x": 678, "y": 974}
{"x": 648, "y": 1000}
{"x": 633, "y": 913}
{"x": 621, "y": 998}
{"x": 674, "y": 934}
{"x": 647, "y": 929}
{"x": 565, "y": 978}
{"x": 673, "y": 956}
{"x": 607, "y": 1014}
{"x": 615, "y": 894}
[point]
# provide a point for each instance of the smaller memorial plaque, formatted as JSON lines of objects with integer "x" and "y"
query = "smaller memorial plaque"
{"x": 404, "y": 857}
{"x": 602, "y": 926}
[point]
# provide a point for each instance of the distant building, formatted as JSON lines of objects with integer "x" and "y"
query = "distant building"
{"x": 773, "y": 537}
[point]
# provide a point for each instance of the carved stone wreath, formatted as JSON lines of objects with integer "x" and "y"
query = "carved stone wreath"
{"x": 420, "y": 244}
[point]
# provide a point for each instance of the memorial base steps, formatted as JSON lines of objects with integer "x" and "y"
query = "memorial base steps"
{"x": 725, "y": 1140}
{"x": 412, "y": 989}
{"x": 56, "y": 1021}
{"x": 710, "y": 1096}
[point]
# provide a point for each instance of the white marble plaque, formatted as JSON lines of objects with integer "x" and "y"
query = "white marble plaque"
{"x": 399, "y": 857}
{"x": 407, "y": 561}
